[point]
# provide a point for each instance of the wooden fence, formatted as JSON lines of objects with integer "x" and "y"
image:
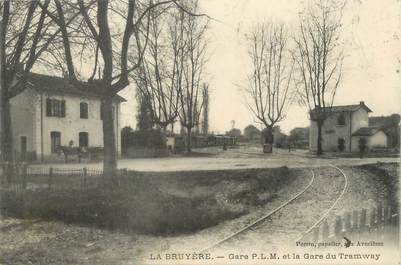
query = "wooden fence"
{"x": 379, "y": 223}
{"x": 20, "y": 177}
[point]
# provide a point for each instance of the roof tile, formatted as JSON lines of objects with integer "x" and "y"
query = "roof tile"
{"x": 346, "y": 108}
{"x": 366, "y": 131}
{"x": 57, "y": 84}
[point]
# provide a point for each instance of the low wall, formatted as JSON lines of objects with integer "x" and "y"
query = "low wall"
{"x": 142, "y": 152}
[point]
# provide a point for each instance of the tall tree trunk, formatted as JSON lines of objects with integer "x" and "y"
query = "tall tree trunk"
{"x": 6, "y": 134}
{"x": 319, "y": 138}
{"x": 269, "y": 138}
{"x": 109, "y": 138}
{"x": 189, "y": 140}
{"x": 5, "y": 115}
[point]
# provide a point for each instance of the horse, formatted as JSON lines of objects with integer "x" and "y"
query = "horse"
{"x": 73, "y": 150}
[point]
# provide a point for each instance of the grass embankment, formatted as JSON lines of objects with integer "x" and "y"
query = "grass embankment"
{"x": 155, "y": 203}
{"x": 385, "y": 175}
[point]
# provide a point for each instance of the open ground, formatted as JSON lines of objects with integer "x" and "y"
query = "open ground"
{"x": 231, "y": 200}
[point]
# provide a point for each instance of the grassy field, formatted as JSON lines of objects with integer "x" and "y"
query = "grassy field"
{"x": 152, "y": 203}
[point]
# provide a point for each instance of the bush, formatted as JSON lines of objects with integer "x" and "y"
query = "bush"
{"x": 150, "y": 139}
{"x": 141, "y": 140}
{"x": 386, "y": 175}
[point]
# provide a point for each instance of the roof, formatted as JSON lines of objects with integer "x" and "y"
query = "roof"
{"x": 347, "y": 108}
{"x": 367, "y": 131}
{"x": 47, "y": 83}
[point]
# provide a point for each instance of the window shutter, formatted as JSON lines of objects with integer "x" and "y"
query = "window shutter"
{"x": 83, "y": 110}
{"x": 57, "y": 105}
{"x": 63, "y": 108}
{"x": 86, "y": 110}
{"x": 48, "y": 107}
{"x": 54, "y": 107}
{"x": 101, "y": 111}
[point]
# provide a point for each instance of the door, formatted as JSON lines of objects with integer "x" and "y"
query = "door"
{"x": 83, "y": 139}
{"x": 55, "y": 141}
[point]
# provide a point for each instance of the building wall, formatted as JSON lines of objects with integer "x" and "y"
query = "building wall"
{"x": 40, "y": 101}
{"x": 117, "y": 127}
{"x": 312, "y": 136}
{"x": 70, "y": 125}
{"x": 170, "y": 141}
{"x": 379, "y": 139}
{"x": 360, "y": 118}
{"x": 332, "y": 132}
{"x": 22, "y": 109}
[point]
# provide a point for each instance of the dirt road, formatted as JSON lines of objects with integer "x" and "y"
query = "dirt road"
{"x": 214, "y": 159}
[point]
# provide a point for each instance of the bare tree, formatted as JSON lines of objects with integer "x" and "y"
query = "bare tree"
{"x": 156, "y": 78}
{"x": 26, "y": 35}
{"x": 143, "y": 116}
{"x": 319, "y": 58}
{"x": 102, "y": 26}
{"x": 270, "y": 90}
{"x": 191, "y": 68}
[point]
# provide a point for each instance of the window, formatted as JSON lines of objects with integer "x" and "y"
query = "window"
{"x": 341, "y": 119}
{"x": 83, "y": 139}
{"x": 55, "y": 141}
{"x": 83, "y": 110}
{"x": 55, "y": 108}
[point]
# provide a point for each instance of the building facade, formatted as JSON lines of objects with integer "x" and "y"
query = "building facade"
{"x": 51, "y": 113}
{"x": 344, "y": 128}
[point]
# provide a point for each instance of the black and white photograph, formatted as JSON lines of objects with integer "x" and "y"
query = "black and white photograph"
{"x": 200, "y": 132}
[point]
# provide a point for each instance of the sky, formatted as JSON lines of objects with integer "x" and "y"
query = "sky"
{"x": 371, "y": 70}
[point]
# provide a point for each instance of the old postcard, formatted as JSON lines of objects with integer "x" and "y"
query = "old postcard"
{"x": 200, "y": 132}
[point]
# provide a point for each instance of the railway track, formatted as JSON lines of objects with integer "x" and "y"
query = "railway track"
{"x": 318, "y": 222}
{"x": 252, "y": 226}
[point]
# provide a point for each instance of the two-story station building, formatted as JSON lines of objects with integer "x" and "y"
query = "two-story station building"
{"x": 344, "y": 127}
{"x": 51, "y": 113}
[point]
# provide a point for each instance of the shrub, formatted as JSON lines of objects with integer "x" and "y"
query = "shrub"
{"x": 152, "y": 138}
